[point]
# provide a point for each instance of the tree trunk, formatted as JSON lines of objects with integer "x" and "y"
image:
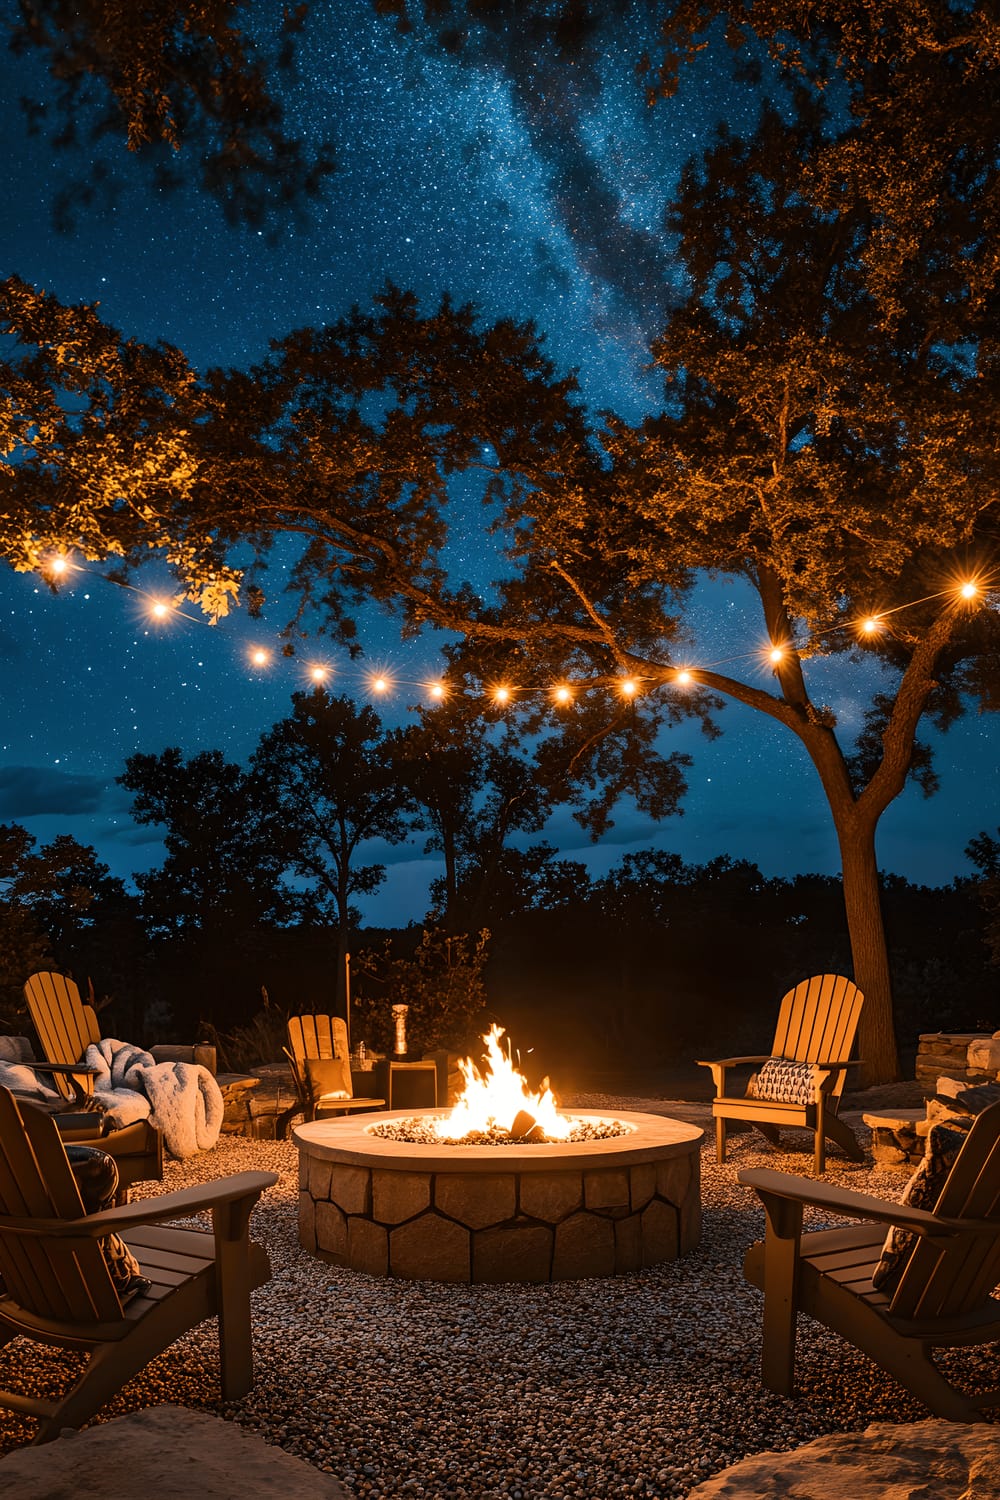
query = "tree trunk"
{"x": 863, "y": 904}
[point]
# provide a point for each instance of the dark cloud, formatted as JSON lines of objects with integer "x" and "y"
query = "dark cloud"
{"x": 131, "y": 836}
{"x": 31, "y": 791}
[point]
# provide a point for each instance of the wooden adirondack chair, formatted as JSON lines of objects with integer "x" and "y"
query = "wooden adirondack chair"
{"x": 942, "y": 1300}
{"x": 56, "y": 1288}
{"x": 817, "y": 1024}
{"x": 66, "y": 1027}
{"x": 317, "y": 1036}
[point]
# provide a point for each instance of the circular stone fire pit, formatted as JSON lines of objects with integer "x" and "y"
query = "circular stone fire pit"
{"x": 554, "y": 1211}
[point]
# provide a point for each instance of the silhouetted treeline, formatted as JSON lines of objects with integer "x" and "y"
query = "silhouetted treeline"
{"x": 653, "y": 964}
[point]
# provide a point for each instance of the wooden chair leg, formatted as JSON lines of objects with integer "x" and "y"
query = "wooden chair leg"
{"x": 234, "y": 1282}
{"x": 843, "y": 1136}
{"x": 781, "y": 1292}
{"x": 720, "y": 1138}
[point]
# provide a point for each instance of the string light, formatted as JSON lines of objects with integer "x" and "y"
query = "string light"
{"x": 58, "y": 564}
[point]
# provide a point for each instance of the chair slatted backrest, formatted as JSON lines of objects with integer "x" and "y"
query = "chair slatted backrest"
{"x": 65, "y": 1026}
{"x": 65, "y": 1279}
{"x": 957, "y": 1275}
{"x": 818, "y": 1022}
{"x": 317, "y": 1036}
{"x": 314, "y": 1036}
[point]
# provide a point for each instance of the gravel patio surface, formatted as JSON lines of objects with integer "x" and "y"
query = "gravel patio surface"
{"x": 643, "y": 1384}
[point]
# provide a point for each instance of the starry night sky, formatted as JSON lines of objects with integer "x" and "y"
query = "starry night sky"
{"x": 531, "y": 189}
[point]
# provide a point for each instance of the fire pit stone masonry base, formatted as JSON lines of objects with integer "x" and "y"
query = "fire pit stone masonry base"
{"x": 549, "y": 1212}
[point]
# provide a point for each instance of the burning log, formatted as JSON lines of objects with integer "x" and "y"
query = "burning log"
{"x": 526, "y": 1128}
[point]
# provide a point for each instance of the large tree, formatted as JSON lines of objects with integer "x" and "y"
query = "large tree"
{"x": 327, "y": 771}
{"x": 224, "y": 869}
{"x": 475, "y": 793}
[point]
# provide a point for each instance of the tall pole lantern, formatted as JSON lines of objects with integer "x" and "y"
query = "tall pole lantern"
{"x": 347, "y": 997}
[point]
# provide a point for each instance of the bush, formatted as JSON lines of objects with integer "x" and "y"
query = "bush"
{"x": 441, "y": 983}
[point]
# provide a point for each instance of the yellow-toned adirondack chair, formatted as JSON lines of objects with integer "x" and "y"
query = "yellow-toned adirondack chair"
{"x": 942, "y": 1299}
{"x": 56, "y": 1287}
{"x": 66, "y": 1026}
{"x": 318, "y": 1038}
{"x": 817, "y": 1025}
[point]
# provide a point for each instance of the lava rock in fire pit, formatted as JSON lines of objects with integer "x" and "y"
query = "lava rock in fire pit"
{"x": 526, "y": 1128}
{"x": 417, "y": 1132}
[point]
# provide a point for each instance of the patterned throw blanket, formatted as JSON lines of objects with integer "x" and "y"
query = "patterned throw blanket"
{"x": 182, "y": 1099}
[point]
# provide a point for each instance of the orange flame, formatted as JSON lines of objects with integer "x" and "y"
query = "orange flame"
{"x": 496, "y": 1098}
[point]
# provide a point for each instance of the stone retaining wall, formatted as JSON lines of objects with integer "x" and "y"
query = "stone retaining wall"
{"x": 947, "y": 1052}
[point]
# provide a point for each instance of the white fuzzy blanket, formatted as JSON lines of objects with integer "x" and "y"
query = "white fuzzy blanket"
{"x": 182, "y": 1099}
{"x": 21, "y": 1079}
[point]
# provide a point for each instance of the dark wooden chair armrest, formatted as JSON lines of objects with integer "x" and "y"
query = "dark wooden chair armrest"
{"x": 851, "y": 1205}
{"x": 720, "y": 1065}
{"x": 177, "y": 1205}
{"x": 78, "y": 1074}
{"x": 733, "y": 1062}
{"x": 85, "y": 1070}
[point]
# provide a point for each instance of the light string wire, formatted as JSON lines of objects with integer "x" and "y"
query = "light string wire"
{"x": 160, "y": 610}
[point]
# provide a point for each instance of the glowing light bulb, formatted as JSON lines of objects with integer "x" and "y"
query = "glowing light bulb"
{"x": 684, "y": 676}
{"x": 563, "y": 695}
{"x": 318, "y": 674}
{"x": 969, "y": 590}
{"x": 379, "y": 685}
{"x": 629, "y": 688}
{"x": 159, "y": 610}
{"x": 501, "y": 695}
{"x": 776, "y": 654}
{"x": 871, "y": 624}
{"x": 437, "y": 690}
{"x": 259, "y": 657}
{"x": 58, "y": 566}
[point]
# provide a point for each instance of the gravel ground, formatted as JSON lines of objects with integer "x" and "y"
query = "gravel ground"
{"x": 637, "y": 1385}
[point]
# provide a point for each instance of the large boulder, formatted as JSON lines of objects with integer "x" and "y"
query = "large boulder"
{"x": 165, "y": 1453}
{"x": 943, "y": 1460}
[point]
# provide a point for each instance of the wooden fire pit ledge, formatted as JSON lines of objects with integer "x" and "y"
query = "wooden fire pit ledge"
{"x": 499, "y": 1213}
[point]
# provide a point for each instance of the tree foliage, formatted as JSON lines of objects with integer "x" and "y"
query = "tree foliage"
{"x": 224, "y": 869}
{"x": 327, "y": 778}
{"x": 195, "y": 86}
{"x": 61, "y": 907}
{"x": 441, "y": 983}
